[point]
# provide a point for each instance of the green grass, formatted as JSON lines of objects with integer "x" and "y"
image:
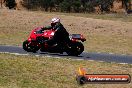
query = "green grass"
{"x": 43, "y": 72}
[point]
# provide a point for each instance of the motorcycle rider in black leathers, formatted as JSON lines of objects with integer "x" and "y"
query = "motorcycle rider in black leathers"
{"x": 60, "y": 35}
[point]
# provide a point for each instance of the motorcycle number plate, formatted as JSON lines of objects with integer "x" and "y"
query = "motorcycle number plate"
{"x": 77, "y": 36}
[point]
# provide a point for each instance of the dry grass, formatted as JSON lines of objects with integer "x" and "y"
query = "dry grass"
{"x": 42, "y": 72}
{"x": 102, "y": 35}
{"x": 110, "y": 16}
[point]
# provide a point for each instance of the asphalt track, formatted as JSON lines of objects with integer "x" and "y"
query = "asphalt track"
{"x": 102, "y": 57}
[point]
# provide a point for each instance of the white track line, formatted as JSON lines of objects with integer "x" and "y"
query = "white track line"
{"x": 123, "y": 63}
{"x": 54, "y": 57}
{"x": 14, "y": 53}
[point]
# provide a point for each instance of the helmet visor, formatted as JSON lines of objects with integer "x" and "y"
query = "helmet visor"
{"x": 53, "y": 24}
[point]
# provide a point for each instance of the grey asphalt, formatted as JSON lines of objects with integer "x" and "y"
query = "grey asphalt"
{"x": 84, "y": 56}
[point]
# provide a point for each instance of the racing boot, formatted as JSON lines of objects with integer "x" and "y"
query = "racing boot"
{"x": 44, "y": 47}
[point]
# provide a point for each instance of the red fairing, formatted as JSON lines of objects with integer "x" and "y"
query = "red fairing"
{"x": 48, "y": 33}
{"x": 33, "y": 34}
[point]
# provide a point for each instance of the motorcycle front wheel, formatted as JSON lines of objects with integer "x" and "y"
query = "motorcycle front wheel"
{"x": 29, "y": 47}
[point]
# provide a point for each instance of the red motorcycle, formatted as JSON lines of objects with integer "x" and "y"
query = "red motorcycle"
{"x": 35, "y": 42}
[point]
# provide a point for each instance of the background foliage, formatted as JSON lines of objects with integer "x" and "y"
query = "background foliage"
{"x": 70, "y": 5}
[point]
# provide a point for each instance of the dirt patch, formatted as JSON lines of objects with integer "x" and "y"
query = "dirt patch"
{"x": 94, "y": 26}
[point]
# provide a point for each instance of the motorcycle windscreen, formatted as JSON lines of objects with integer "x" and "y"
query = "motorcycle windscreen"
{"x": 39, "y": 31}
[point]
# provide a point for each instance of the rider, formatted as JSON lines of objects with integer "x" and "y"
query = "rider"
{"x": 60, "y": 34}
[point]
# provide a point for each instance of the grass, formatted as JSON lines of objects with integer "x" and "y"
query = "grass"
{"x": 108, "y": 44}
{"x": 112, "y": 16}
{"x": 44, "y": 72}
{"x": 102, "y": 35}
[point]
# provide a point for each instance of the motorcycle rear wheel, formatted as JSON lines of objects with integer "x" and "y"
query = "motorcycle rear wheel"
{"x": 75, "y": 49}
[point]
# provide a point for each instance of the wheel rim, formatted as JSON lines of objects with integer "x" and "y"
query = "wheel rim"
{"x": 75, "y": 49}
{"x": 29, "y": 46}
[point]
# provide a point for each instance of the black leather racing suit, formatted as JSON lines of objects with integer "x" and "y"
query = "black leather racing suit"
{"x": 61, "y": 35}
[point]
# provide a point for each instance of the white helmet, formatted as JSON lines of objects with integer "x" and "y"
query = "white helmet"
{"x": 55, "y": 20}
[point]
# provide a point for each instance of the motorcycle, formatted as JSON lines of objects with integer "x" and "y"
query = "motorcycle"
{"x": 35, "y": 42}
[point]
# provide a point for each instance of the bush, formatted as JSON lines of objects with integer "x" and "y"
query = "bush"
{"x": 10, "y": 4}
{"x": 65, "y": 6}
{"x": 68, "y": 5}
{"x": 76, "y": 4}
